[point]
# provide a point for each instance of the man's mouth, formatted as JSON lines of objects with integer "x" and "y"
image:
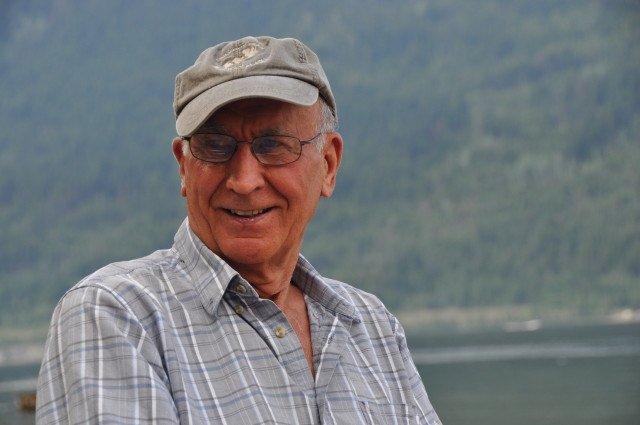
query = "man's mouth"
{"x": 247, "y": 213}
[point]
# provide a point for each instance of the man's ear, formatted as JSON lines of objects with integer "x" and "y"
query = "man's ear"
{"x": 178, "y": 152}
{"x": 332, "y": 153}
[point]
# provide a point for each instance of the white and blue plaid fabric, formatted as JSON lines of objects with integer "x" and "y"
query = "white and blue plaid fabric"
{"x": 179, "y": 337}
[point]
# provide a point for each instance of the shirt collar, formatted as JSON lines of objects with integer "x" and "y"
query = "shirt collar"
{"x": 209, "y": 273}
{"x": 211, "y": 276}
{"x": 330, "y": 297}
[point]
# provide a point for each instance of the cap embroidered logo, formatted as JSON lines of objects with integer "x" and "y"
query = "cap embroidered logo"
{"x": 238, "y": 56}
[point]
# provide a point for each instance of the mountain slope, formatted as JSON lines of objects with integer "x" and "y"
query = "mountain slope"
{"x": 491, "y": 148}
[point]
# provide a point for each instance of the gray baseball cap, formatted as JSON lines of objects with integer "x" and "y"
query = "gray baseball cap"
{"x": 282, "y": 69}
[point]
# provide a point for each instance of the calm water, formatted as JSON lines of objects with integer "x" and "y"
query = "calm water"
{"x": 586, "y": 375}
{"x": 13, "y": 382}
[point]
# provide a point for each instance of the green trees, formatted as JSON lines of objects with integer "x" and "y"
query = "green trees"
{"x": 491, "y": 148}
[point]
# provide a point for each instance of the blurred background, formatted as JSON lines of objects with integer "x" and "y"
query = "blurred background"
{"x": 490, "y": 190}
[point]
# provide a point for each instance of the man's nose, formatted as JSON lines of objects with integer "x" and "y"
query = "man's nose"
{"x": 244, "y": 172}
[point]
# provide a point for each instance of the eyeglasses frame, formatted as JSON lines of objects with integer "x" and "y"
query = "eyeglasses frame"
{"x": 235, "y": 149}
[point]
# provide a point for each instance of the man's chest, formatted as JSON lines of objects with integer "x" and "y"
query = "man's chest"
{"x": 249, "y": 366}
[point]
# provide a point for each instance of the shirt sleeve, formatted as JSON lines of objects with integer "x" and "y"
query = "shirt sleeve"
{"x": 100, "y": 365}
{"x": 424, "y": 411}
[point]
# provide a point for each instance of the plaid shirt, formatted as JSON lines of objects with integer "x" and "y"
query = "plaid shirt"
{"x": 179, "y": 337}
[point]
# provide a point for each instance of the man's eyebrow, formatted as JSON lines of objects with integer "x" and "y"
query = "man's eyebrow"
{"x": 213, "y": 127}
{"x": 273, "y": 131}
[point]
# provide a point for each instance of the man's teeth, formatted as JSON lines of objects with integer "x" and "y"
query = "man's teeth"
{"x": 249, "y": 213}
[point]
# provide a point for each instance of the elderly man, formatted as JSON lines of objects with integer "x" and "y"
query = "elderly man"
{"x": 232, "y": 325}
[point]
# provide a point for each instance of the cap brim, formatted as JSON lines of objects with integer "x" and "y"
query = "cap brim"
{"x": 286, "y": 89}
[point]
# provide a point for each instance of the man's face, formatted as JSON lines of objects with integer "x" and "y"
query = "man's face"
{"x": 222, "y": 197}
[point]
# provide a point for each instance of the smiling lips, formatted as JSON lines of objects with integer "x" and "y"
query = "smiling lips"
{"x": 247, "y": 213}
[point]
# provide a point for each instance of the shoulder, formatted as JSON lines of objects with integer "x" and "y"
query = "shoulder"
{"x": 135, "y": 286}
{"x": 369, "y": 308}
{"x": 358, "y": 297}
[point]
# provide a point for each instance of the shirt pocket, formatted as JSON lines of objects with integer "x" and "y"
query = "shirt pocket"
{"x": 386, "y": 414}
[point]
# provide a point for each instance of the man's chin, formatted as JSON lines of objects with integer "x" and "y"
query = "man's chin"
{"x": 246, "y": 252}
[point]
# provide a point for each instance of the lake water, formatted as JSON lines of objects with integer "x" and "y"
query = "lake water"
{"x": 586, "y": 375}
{"x": 581, "y": 375}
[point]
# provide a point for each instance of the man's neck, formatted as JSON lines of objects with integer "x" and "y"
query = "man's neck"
{"x": 270, "y": 281}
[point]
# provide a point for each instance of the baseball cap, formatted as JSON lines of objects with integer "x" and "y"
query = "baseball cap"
{"x": 281, "y": 69}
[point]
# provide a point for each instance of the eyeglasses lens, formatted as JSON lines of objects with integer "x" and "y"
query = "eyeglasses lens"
{"x": 212, "y": 147}
{"x": 269, "y": 150}
{"x": 276, "y": 150}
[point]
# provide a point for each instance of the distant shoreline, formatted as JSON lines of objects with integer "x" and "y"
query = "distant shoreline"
{"x": 21, "y": 354}
{"x": 25, "y": 346}
{"x": 505, "y": 318}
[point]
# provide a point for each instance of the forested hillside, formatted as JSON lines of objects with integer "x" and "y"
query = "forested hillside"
{"x": 491, "y": 157}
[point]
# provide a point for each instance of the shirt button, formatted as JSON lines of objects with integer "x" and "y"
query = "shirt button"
{"x": 280, "y": 331}
{"x": 240, "y": 289}
{"x": 238, "y": 309}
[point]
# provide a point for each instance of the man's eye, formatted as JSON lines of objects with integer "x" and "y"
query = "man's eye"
{"x": 265, "y": 145}
{"x": 217, "y": 144}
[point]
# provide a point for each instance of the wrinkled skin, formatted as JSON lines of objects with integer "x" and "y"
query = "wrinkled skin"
{"x": 263, "y": 249}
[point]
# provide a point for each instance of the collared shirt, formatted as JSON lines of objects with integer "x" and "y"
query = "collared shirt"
{"x": 180, "y": 337}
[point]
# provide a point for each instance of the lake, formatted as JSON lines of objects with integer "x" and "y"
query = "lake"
{"x": 565, "y": 376}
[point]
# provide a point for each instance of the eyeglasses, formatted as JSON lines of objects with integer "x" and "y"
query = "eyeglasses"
{"x": 268, "y": 150}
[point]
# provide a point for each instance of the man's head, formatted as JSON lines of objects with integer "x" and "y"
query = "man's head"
{"x": 250, "y": 203}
